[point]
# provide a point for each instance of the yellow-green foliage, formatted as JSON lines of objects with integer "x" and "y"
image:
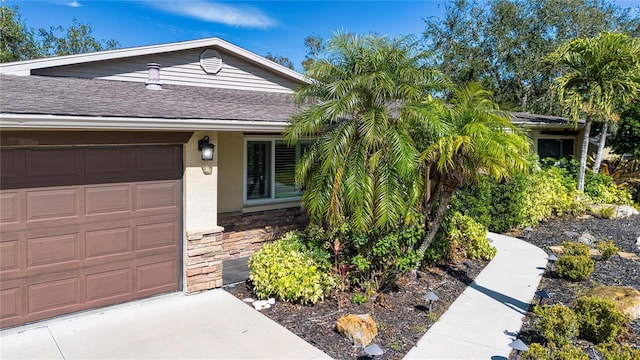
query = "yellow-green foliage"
{"x": 612, "y": 350}
{"x": 558, "y": 324}
{"x": 536, "y": 352}
{"x": 551, "y": 192}
{"x": 286, "y": 270}
{"x": 569, "y": 352}
{"x": 602, "y": 190}
{"x": 607, "y": 249}
{"x": 468, "y": 239}
{"x": 575, "y": 248}
{"x": 575, "y": 267}
{"x": 599, "y": 320}
{"x": 607, "y": 212}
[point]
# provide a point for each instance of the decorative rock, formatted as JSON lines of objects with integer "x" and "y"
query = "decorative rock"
{"x": 587, "y": 238}
{"x": 271, "y": 301}
{"x": 626, "y": 298}
{"x": 248, "y": 300}
{"x": 620, "y": 211}
{"x": 571, "y": 234}
{"x": 628, "y": 256}
{"x": 638, "y": 243}
{"x": 359, "y": 329}
{"x": 261, "y": 304}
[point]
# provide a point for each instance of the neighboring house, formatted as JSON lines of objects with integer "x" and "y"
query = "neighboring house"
{"x": 552, "y": 136}
{"x": 104, "y": 194}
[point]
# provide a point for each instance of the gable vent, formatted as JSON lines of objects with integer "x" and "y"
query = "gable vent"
{"x": 210, "y": 61}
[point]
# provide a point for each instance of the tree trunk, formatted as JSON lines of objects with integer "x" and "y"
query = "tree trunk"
{"x": 583, "y": 153}
{"x": 435, "y": 225}
{"x": 601, "y": 144}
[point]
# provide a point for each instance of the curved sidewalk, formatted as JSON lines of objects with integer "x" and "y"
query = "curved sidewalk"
{"x": 488, "y": 314}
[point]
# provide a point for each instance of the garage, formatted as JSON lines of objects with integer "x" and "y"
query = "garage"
{"x": 87, "y": 226}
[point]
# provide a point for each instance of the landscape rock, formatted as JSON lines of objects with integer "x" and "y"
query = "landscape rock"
{"x": 628, "y": 256}
{"x": 620, "y": 211}
{"x": 359, "y": 329}
{"x": 626, "y": 298}
{"x": 638, "y": 243}
{"x": 571, "y": 234}
{"x": 263, "y": 304}
{"x": 587, "y": 238}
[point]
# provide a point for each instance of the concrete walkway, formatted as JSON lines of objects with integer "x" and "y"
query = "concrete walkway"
{"x": 211, "y": 325}
{"x": 486, "y": 317}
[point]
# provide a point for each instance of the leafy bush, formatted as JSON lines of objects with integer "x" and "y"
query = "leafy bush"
{"x": 467, "y": 239}
{"x": 359, "y": 299}
{"x": 569, "y": 352}
{"x": 598, "y": 319}
{"x": 575, "y": 248}
{"x": 558, "y": 324}
{"x": 607, "y": 212}
{"x": 612, "y": 350}
{"x": 602, "y": 190}
{"x": 607, "y": 249}
{"x": 574, "y": 267}
{"x": 288, "y": 271}
{"x": 536, "y": 352}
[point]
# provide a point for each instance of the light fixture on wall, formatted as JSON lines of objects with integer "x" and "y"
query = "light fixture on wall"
{"x": 206, "y": 148}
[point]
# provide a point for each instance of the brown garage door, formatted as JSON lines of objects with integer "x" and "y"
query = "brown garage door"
{"x": 87, "y": 227}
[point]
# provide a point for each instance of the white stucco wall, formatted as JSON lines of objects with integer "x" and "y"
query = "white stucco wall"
{"x": 200, "y": 187}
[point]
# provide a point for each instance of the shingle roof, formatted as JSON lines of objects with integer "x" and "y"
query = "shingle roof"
{"x": 85, "y": 97}
{"x": 540, "y": 120}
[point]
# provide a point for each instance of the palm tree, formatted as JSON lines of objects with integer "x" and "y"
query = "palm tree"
{"x": 363, "y": 165}
{"x": 472, "y": 137}
{"x": 598, "y": 74}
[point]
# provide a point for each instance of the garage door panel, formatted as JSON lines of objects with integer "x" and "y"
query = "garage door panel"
{"x": 52, "y": 204}
{"x": 51, "y": 250}
{"x": 53, "y": 295}
{"x": 108, "y": 284}
{"x": 107, "y": 242}
{"x": 9, "y": 255}
{"x": 9, "y": 211}
{"x": 52, "y": 163}
{"x": 156, "y": 276}
{"x": 107, "y": 199}
{"x": 94, "y": 227}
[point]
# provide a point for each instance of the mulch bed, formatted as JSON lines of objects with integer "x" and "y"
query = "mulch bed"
{"x": 402, "y": 315}
{"x": 614, "y": 271}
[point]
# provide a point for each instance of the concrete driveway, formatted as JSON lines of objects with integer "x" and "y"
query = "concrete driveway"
{"x": 210, "y": 325}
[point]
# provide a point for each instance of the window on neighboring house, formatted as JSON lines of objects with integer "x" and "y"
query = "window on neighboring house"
{"x": 555, "y": 148}
{"x": 270, "y": 170}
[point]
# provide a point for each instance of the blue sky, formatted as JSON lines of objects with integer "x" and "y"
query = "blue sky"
{"x": 279, "y": 27}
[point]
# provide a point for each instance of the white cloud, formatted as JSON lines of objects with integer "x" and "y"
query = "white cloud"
{"x": 74, "y": 3}
{"x": 233, "y": 15}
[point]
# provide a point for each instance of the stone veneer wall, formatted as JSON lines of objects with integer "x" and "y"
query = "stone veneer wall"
{"x": 243, "y": 234}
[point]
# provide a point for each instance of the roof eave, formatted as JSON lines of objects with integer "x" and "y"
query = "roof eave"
{"x": 9, "y": 121}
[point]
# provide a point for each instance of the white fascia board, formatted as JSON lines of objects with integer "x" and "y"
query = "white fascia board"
{"x": 23, "y": 68}
{"x": 38, "y": 121}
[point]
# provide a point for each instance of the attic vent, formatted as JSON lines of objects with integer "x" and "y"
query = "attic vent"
{"x": 210, "y": 61}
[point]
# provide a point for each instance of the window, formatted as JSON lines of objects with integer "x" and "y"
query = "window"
{"x": 555, "y": 148}
{"x": 270, "y": 170}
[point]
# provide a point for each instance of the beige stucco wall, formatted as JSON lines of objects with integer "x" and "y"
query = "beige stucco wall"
{"x": 230, "y": 170}
{"x": 200, "y": 186}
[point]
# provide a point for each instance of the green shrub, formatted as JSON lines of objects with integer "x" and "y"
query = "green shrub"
{"x": 569, "y": 352}
{"x": 612, "y": 350}
{"x": 607, "y": 212}
{"x": 558, "y": 324}
{"x": 437, "y": 250}
{"x": 602, "y": 190}
{"x": 467, "y": 238}
{"x": 288, "y": 271}
{"x": 575, "y": 248}
{"x": 598, "y": 319}
{"x": 536, "y": 352}
{"x": 359, "y": 299}
{"x": 607, "y": 249}
{"x": 574, "y": 267}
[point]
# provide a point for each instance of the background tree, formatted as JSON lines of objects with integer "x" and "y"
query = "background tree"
{"x": 315, "y": 47}
{"x": 20, "y": 42}
{"x": 473, "y": 137}
{"x": 16, "y": 39}
{"x": 362, "y": 168}
{"x": 597, "y": 75}
{"x": 284, "y": 61}
{"x": 501, "y": 43}
{"x": 626, "y": 140}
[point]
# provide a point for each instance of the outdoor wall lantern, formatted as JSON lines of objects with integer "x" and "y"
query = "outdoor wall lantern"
{"x": 206, "y": 148}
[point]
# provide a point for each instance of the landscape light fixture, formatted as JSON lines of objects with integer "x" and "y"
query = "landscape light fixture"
{"x": 518, "y": 346}
{"x": 542, "y": 295}
{"x": 431, "y": 297}
{"x": 206, "y": 148}
{"x": 373, "y": 350}
{"x": 552, "y": 259}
